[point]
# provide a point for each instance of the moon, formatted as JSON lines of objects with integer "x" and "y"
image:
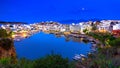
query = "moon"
{"x": 83, "y": 9}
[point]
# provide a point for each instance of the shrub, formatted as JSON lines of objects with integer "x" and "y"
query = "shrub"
{"x": 49, "y": 61}
{"x": 6, "y": 43}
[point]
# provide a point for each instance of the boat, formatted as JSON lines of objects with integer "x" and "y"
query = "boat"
{"x": 17, "y": 39}
{"x": 82, "y": 55}
{"x": 77, "y": 57}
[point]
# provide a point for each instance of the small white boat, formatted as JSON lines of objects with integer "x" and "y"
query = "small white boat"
{"x": 17, "y": 39}
{"x": 77, "y": 57}
{"x": 82, "y": 55}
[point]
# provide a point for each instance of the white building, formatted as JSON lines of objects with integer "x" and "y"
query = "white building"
{"x": 116, "y": 27}
{"x": 75, "y": 28}
{"x": 84, "y": 26}
{"x": 104, "y": 26}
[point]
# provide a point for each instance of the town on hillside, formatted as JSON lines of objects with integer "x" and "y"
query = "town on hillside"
{"x": 26, "y": 30}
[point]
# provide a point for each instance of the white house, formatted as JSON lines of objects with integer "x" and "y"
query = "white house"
{"x": 84, "y": 26}
{"x": 116, "y": 27}
{"x": 104, "y": 26}
{"x": 75, "y": 28}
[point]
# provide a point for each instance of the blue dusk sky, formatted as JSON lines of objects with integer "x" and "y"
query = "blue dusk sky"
{"x": 58, "y": 10}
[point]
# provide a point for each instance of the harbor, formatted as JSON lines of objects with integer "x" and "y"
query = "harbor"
{"x": 43, "y": 47}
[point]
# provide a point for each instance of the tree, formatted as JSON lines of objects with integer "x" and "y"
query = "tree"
{"x": 94, "y": 27}
{"x": 85, "y": 31}
{"x": 5, "y": 34}
{"x": 51, "y": 61}
{"x": 115, "y": 42}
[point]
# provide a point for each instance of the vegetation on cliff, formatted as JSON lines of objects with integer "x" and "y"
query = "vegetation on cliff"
{"x": 5, "y": 34}
{"x": 6, "y": 41}
{"x": 50, "y": 61}
{"x": 107, "y": 56}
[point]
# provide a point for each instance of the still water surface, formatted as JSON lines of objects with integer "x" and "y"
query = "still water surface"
{"x": 41, "y": 44}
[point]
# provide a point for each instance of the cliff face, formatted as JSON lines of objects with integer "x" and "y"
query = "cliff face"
{"x": 7, "y": 49}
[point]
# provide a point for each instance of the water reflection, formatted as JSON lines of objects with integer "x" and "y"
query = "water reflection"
{"x": 75, "y": 39}
{"x": 41, "y": 44}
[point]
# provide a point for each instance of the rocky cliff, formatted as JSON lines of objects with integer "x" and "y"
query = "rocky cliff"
{"x": 7, "y": 49}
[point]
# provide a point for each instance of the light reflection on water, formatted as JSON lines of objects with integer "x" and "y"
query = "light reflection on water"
{"x": 41, "y": 44}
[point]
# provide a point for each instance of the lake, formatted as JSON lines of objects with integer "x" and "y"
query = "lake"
{"x": 42, "y": 44}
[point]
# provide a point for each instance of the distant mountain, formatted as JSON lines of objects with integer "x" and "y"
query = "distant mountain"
{"x": 72, "y": 21}
{"x": 95, "y": 19}
{"x": 80, "y": 20}
{"x": 4, "y": 22}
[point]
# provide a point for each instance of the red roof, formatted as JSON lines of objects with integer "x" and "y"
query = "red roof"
{"x": 116, "y": 33}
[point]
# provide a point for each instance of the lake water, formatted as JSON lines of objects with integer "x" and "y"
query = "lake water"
{"x": 41, "y": 44}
